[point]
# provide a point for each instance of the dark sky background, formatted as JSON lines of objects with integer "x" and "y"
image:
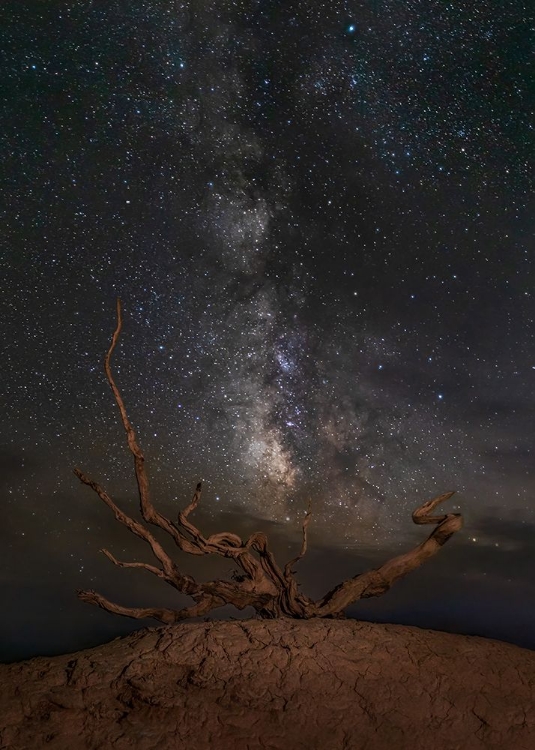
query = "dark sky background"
{"x": 320, "y": 219}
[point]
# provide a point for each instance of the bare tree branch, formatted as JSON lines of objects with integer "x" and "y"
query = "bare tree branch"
{"x": 271, "y": 591}
{"x": 134, "y": 526}
{"x": 196, "y": 499}
{"x": 148, "y": 511}
{"x": 289, "y": 565}
{"x": 167, "y": 616}
{"x": 377, "y": 582}
{"x": 139, "y": 460}
{"x": 145, "y": 566}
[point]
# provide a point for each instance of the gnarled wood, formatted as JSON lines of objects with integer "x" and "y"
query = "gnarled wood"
{"x": 262, "y": 584}
{"x": 378, "y": 581}
{"x": 167, "y": 616}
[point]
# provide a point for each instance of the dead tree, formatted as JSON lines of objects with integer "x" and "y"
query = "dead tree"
{"x": 262, "y": 584}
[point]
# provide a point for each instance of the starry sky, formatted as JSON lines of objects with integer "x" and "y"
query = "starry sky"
{"x": 320, "y": 219}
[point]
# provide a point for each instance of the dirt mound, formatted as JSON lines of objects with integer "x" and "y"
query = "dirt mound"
{"x": 274, "y": 684}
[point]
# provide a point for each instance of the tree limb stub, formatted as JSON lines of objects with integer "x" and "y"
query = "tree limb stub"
{"x": 262, "y": 584}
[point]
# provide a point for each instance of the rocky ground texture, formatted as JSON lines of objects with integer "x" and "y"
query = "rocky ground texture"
{"x": 246, "y": 685}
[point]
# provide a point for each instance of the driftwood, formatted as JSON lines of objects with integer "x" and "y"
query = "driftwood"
{"x": 271, "y": 590}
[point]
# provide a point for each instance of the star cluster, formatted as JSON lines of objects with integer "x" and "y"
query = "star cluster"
{"x": 319, "y": 217}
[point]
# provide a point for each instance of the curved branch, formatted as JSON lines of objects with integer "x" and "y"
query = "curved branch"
{"x": 421, "y": 514}
{"x": 134, "y": 526}
{"x": 265, "y": 574}
{"x": 184, "y": 583}
{"x": 225, "y": 539}
{"x": 273, "y": 592}
{"x": 196, "y": 499}
{"x": 378, "y": 581}
{"x": 289, "y": 565}
{"x": 215, "y": 543}
{"x": 251, "y": 593}
{"x": 198, "y": 539}
{"x": 258, "y": 541}
{"x": 145, "y": 566}
{"x": 139, "y": 459}
{"x": 148, "y": 512}
{"x": 167, "y": 616}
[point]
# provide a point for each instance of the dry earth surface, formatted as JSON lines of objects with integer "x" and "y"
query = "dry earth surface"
{"x": 289, "y": 684}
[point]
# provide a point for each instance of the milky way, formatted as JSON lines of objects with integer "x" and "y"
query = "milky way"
{"x": 319, "y": 217}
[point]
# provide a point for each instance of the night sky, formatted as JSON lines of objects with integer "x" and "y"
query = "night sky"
{"x": 320, "y": 218}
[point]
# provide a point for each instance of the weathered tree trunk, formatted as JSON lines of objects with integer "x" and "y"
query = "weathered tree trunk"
{"x": 261, "y": 584}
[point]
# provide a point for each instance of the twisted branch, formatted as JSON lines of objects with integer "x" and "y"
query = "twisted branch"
{"x": 378, "y": 581}
{"x": 167, "y": 616}
{"x": 272, "y": 591}
{"x": 148, "y": 512}
{"x": 132, "y": 525}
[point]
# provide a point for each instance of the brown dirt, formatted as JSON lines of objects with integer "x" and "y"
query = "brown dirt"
{"x": 281, "y": 684}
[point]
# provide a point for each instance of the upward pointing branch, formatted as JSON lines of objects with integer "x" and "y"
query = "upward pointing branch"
{"x": 271, "y": 590}
{"x": 376, "y": 582}
{"x": 289, "y": 565}
{"x": 147, "y": 510}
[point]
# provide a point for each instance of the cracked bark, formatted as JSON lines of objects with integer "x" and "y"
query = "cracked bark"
{"x": 271, "y": 590}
